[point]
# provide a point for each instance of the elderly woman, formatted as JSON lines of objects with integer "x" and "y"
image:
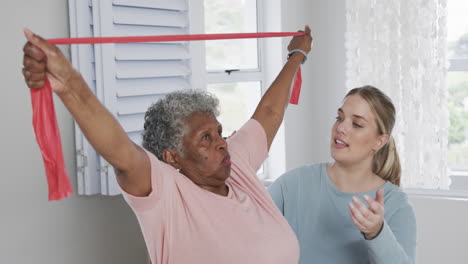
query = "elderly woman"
{"x": 196, "y": 196}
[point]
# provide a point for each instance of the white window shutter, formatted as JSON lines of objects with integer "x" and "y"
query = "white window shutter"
{"x": 130, "y": 77}
{"x": 87, "y": 161}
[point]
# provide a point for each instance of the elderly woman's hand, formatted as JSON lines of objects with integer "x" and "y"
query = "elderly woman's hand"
{"x": 42, "y": 59}
{"x": 303, "y": 42}
{"x": 369, "y": 220}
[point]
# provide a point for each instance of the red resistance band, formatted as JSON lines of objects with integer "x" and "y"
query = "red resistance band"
{"x": 45, "y": 121}
{"x": 48, "y": 139}
{"x": 169, "y": 38}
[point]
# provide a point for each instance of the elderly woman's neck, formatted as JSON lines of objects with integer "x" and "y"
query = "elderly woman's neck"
{"x": 222, "y": 190}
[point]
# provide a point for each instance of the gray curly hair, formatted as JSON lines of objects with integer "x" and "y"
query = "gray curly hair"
{"x": 164, "y": 120}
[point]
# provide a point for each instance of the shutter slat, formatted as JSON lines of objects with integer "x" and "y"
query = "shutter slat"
{"x": 149, "y": 17}
{"x": 150, "y": 69}
{"x": 132, "y": 123}
{"x": 136, "y": 137}
{"x": 130, "y": 30}
{"x": 159, "y": 4}
{"x": 151, "y": 51}
{"x": 135, "y": 105}
{"x": 147, "y": 86}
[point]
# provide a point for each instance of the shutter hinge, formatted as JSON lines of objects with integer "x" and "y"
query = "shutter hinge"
{"x": 81, "y": 161}
{"x": 104, "y": 169}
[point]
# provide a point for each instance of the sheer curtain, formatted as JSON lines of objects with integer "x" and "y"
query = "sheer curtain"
{"x": 399, "y": 46}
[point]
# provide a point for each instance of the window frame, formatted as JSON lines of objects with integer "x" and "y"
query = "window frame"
{"x": 458, "y": 65}
{"x": 268, "y": 13}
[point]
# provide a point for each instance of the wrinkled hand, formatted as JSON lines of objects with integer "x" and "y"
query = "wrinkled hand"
{"x": 369, "y": 220}
{"x": 303, "y": 42}
{"x": 42, "y": 59}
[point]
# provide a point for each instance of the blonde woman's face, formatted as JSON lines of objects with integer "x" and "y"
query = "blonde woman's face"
{"x": 355, "y": 135}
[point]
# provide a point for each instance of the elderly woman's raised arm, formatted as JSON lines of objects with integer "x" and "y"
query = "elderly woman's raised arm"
{"x": 102, "y": 130}
{"x": 270, "y": 110}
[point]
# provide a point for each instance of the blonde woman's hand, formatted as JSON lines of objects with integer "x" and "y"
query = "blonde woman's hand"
{"x": 368, "y": 219}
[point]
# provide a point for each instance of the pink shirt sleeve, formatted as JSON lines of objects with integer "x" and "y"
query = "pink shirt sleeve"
{"x": 162, "y": 182}
{"x": 250, "y": 144}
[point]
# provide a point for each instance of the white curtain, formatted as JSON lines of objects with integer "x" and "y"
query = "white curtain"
{"x": 399, "y": 46}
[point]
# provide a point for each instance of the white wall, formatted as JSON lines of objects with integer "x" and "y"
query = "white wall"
{"x": 308, "y": 124}
{"x": 77, "y": 230}
{"x": 442, "y": 223}
{"x": 442, "y": 230}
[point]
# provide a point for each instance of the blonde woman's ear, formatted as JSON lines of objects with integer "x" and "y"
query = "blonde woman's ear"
{"x": 382, "y": 140}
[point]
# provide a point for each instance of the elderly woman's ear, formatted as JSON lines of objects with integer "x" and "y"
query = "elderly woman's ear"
{"x": 171, "y": 158}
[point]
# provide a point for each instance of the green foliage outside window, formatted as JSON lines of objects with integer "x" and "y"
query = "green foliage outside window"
{"x": 458, "y": 106}
{"x": 458, "y": 131}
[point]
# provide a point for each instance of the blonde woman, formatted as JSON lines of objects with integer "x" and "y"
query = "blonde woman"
{"x": 352, "y": 209}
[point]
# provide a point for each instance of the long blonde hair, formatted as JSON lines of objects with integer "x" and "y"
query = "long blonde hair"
{"x": 386, "y": 162}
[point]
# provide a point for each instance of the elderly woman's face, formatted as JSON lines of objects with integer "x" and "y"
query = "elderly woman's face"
{"x": 205, "y": 158}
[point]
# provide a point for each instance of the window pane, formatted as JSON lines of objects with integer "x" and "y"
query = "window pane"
{"x": 457, "y": 29}
{"x": 237, "y": 103}
{"x": 234, "y": 16}
{"x": 458, "y": 110}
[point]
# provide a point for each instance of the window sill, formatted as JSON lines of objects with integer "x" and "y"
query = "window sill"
{"x": 440, "y": 194}
{"x": 267, "y": 182}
